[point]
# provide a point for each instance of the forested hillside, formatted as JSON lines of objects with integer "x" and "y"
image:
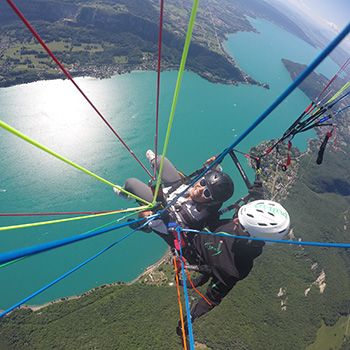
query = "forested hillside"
{"x": 101, "y": 38}
{"x": 291, "y": 292}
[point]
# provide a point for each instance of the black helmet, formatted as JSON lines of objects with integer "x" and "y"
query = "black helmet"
{"x": 220, "y": 185}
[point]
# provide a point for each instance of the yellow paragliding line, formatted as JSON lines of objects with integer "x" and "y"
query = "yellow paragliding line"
{"x": 77, "y": 166}
{"x": 41, "y": 223}
{"x": 97, "y": 228}
{"x": 338, "y": 93}
{"x": 176, "y": 93}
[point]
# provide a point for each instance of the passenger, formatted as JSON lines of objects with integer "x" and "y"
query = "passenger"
{"x": 194, "y": 209}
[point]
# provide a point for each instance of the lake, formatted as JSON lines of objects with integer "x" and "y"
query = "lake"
{"x": 208, "y": 118}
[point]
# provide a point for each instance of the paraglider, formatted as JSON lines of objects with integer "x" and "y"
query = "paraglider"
{"x": 208, "y": 185}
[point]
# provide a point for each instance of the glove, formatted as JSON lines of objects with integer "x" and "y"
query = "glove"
{"x": 257, "y": 191}
{"x": 179, "y": 333}
{"x": 179, "y": 328}
{"x": 136, "y": 226}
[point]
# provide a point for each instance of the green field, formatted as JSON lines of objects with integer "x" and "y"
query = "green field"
{"x": 332, "y": 337}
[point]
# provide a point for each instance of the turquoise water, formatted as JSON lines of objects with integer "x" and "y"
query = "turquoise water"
{"x": 208, "y": 118}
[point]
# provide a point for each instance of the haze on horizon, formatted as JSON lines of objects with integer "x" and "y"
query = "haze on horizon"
{"x": 331, "y": 16}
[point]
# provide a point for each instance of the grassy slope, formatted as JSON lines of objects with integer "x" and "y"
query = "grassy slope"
{"x": 332, "y": 336}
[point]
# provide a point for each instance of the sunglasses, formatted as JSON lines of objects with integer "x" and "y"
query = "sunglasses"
{"x": 206, "y": 193}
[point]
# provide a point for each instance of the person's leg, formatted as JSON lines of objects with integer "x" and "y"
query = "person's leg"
{"x": 170, "y": 175}
{"x": 139, "y": 189}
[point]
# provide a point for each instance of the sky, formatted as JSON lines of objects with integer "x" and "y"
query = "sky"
{"x": 334, "y": 14}
{"x": 331, "y": 15}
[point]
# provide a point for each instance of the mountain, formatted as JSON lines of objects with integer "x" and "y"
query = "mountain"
{"x": 101, "y": 38}
{"x": 318, "y": 34}
{"x": 312, "y": 87}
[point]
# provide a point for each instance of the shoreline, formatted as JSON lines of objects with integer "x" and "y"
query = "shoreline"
{"x": 107, "y": 72}
{"x": 167, "y": 253}
{"x": 147, "y": 270}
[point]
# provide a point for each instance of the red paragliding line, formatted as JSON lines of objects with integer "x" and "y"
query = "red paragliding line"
{"x": 68, "y": 75}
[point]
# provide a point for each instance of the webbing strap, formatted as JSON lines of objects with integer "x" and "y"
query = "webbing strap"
{"x": 176, "y": 94}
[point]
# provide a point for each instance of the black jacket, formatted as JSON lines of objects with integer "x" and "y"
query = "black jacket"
{"x": 227, "y": 258}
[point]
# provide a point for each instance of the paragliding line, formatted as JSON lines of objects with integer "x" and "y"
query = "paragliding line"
{"x": 343, "y": 67}
{"x": 160, "y": 35}
{"x": 42, "y": 223}
{"x": 187, "y": 303}
{"x": 307, "y": 71}
{"x": 180, "y": 304}
{"x": 58, "y": 213}
{"x": 19, "y": 253}
{"x": 176, "y": 93}
{"x": 66, "y": 160}
{"x": 68, "y": 75}
{"x": 66, "y": 274}
{"x": 96, "y": 228}
{"x": 311, "y": 244}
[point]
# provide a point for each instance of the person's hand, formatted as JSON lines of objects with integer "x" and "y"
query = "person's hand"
{"x": 218, "y": 167}
{"x": 138, "y": 225}
{"x": 146, "y": 213}
{"x": 179, "y": 328}
{"x": 209, "y": 161}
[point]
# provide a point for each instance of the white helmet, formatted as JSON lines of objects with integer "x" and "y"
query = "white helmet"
{"x": 264, "y": 219}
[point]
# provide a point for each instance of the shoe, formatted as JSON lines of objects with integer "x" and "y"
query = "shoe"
{"x": 120, "y": 193}
{"x": 150, "y": 155}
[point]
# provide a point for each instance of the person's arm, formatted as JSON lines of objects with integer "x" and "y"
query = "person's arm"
{"x": 216, "y": 291}
{"x": 157, "y": 225}
{"x": 214, "y": 295}
{"x": 256, "y": 192}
